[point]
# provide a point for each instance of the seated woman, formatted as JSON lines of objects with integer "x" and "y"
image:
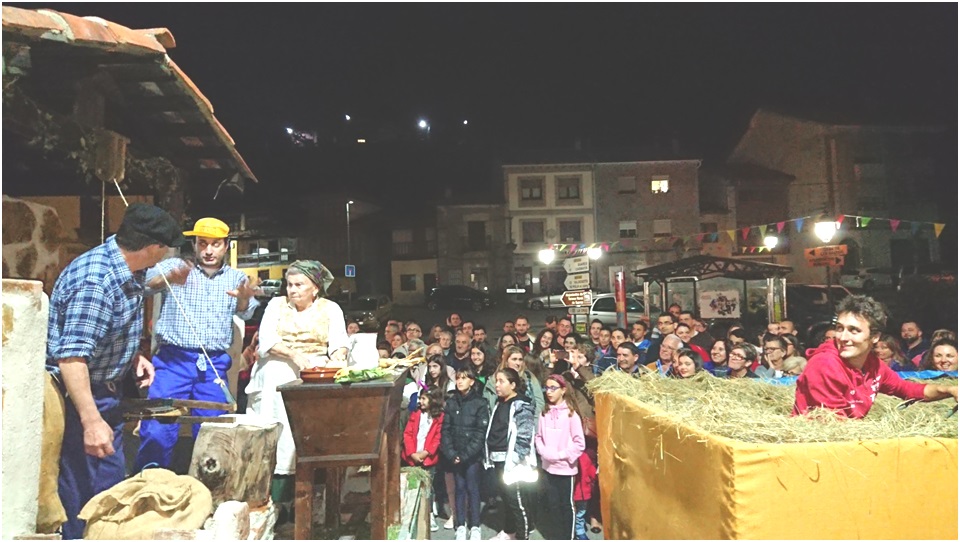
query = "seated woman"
{"x": 794, "y": 365}
{"x": 889, "y": 352}
{"x": 741, "y": 357}
{"x": 719, "y": 354}
{"x": 942, "y": 356}
{"x": 299, "y": 331}
{"x": 688, "y": 363}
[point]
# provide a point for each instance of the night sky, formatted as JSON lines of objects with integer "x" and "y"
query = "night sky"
{"x": 541, "y": 75}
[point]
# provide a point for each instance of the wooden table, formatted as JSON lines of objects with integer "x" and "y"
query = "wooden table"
{"x": 346, "y": 425}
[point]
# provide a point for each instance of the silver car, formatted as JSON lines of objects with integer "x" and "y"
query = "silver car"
{"x": 270, "y": 287}
{"x": 604, "y": 308}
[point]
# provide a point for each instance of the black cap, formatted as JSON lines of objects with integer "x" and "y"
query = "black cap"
{"x": 154, "y": 223}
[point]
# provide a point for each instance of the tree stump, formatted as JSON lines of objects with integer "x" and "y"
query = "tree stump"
{"x": 236, "y": 460}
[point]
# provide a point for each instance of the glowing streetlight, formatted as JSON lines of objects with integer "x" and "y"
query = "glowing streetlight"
{"x": 771, "y": 242}
{"x": 465, "y": 122}
{"x": 346, "y": 118}
{"x": 290, "y": 131}
{"x": 423, "y": 124}
{"x": 825, "y": 229}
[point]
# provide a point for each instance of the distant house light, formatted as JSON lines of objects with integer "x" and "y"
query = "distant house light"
{"x": 660, "y": 185}
{"x": 290, "y": 130}
{"x": 361, "y": 141}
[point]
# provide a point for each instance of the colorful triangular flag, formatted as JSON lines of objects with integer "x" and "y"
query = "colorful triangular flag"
{"x": 763, "y": 231}
{"x": 914, "y": 227}
{"x": 938, "y": 228}
{"x": 894, "y": 224}
{"x": 799, "y": 223}
{"x": 732, "y": 234}
{"x": 744, "y": 232}
{"x": 865, "y": 221}
{"x": 780, "y": 226}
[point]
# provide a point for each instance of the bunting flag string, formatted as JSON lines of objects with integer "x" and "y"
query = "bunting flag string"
{"x": 662, "y": 242}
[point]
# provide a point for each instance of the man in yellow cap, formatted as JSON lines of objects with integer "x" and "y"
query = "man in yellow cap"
{"x": 210, "y": 293}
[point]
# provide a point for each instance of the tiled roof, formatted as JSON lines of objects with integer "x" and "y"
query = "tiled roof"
{"x": 165, "y": 109}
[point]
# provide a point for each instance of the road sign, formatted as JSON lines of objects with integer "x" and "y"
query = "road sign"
{"x": 579, "y": 310}
{"x": 825, "y": 261}
{"x": 822, "y": 252}
{"x": 350, "y": 270}
{"x": 579, "y": 281}
{"x": 580, "y": 264}
{"x": 578, "y": 298}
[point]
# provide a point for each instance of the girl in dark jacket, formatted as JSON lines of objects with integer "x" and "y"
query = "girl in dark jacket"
{"x": 462, "y": 444}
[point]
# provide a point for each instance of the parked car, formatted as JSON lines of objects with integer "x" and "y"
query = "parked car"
{"x": 604, "y": 308}
{"x": 868, "y": 278}
{"x": 555, "y": 300}
{"x": 450, "y": 297}
{"x": 808, "y": 305}
{"x": 369, "y": 310}
{"x": 270, "y": 287}
{"x": 926, "y": 273}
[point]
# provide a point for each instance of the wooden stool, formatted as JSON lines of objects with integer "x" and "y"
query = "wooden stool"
{"x": 346, "y": 425}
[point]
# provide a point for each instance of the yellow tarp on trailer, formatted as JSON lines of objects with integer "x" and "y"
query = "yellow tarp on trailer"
{"x": 663, "y": 480}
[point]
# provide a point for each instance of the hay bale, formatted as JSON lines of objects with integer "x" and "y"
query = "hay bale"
{"x": 753, "y": 410}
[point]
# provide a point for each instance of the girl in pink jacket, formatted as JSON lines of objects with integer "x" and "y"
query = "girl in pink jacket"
{"x": 559, "y": 442}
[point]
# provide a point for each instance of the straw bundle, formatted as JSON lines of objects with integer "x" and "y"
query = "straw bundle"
{"x": 752, "y": 410}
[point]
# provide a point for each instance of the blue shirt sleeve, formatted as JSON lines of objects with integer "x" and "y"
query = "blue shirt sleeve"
{"x": 87, "y": 318}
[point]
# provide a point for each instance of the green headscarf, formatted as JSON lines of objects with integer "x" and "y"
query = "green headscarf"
{"x": 316, "y": 272}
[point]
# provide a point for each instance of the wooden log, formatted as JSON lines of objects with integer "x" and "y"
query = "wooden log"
{"x": 236, "y": 460}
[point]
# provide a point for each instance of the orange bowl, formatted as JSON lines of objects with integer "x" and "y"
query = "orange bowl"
{"x": 318, "y": 374}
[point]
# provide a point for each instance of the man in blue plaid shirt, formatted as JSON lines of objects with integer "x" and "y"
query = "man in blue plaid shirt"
{"x": 210, "y": 293}
{"x": 94, "y": 327}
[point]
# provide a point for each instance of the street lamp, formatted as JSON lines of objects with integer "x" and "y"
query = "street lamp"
{"x": 546, "y": 257}
{"x": 594, "y": 254}
{"x": 349, "y": 290}
{"x": 825, "y": 228}
{"x": 771, "y": 242}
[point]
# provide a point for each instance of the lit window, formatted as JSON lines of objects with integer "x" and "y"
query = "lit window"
{"x": 628, "y": 228}
{"x": 531, "y": 191}
{"x": 660, "y": 184}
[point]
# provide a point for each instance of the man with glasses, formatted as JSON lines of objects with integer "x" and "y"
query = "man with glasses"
{"x": 774, "y": 348}
{"x": 666, "y": 353}
{"x": 666, "y": 325}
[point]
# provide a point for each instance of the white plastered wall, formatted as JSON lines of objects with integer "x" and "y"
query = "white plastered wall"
{"x": 25, "y": 309}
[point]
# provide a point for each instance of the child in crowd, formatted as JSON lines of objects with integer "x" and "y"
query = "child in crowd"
{"x": 464, "y": 425}
{"x": 560, "y": 443}
{"x": 510, "y": 450}
{"x": 421, "y": 438}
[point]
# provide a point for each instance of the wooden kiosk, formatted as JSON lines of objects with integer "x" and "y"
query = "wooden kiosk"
{"x": 346, "y": 425}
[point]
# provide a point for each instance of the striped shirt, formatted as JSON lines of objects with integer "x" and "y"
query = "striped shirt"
{"x": 96, "y": 313}
{"x": 209, "y": 308}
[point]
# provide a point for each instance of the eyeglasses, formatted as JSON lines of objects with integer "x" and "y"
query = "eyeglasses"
{"x": 737, "y": 356}
{"x": 769, "y": 350}
{"x": 414, "y": 330}
{"x": 551, "y": 388}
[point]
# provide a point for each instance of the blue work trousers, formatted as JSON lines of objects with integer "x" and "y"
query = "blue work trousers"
{"x": 178, "y": 377}
{"x": 83, "y": 476}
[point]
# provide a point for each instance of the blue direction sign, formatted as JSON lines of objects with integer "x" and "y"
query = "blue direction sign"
{"x": 349, "y": 271}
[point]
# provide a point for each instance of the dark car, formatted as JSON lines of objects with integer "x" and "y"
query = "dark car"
{"x": 450, "y": 297}
{"x": 808, "y": 306}
{"x": 369, "y": 310}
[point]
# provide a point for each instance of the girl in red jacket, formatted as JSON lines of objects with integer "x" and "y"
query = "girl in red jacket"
{"x": 421, "y": 438}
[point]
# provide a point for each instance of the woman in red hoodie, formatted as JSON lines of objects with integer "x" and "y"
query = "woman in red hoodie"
{"x": 421, "y": 438}
{"x": 559, "y": 442}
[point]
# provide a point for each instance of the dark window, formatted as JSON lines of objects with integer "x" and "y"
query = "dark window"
{"x": 568, "y": 189}
{"x": 605, "y": 304}
{"x": 531, "y": 191}
{"x": 429, "y": 281}
{"x": 532, "y": 231}
{"x": 476, "y": 235}
{"x": 408, "y": 283}
{"x": 569, "y": 231}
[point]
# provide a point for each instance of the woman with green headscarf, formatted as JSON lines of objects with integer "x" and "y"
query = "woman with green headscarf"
{"x": 299, "y": 331}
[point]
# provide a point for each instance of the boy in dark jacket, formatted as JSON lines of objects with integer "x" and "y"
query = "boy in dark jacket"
{"x": 462, "y": 444}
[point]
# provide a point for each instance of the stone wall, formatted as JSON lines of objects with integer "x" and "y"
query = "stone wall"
{"x": 25, "y": 309}
{"x": 32, "y": 238}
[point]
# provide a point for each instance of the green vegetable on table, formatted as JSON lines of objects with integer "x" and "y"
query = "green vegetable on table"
{"x": 360, "y": 375}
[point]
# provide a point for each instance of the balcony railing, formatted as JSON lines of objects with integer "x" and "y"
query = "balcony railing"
{"x": 413, "y": 250}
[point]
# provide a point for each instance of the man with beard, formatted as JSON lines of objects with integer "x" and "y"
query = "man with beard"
{"x": 522, "y": 333}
